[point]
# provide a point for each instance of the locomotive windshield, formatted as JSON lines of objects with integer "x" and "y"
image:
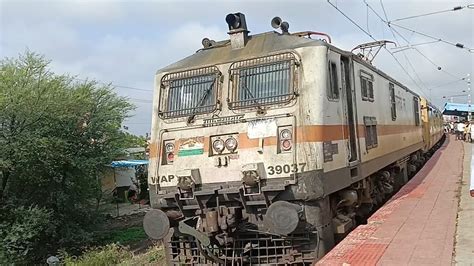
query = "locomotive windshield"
{"x": 262, "y": 81}
{"x": 189, "y": 93}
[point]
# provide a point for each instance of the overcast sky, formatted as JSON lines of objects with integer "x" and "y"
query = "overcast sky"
{"x": 126, "y": 42}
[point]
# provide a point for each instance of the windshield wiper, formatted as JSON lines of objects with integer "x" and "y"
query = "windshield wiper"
{"x": 200, "y": 102}
{"x": 244, "y": 84}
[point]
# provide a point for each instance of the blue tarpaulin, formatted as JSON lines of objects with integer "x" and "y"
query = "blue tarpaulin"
{"x": 128, "y": 163}
{"x": 457, "y": 109}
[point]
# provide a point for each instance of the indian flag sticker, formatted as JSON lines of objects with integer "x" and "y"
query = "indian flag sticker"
{"x": 191, "y": 146}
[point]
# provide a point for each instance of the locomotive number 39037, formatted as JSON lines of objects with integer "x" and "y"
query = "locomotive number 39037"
{"x": 286, "y": 168}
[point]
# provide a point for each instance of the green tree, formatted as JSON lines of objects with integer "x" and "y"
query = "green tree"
{"x": 55, "y": 136}
{"x": 134, "y": 141}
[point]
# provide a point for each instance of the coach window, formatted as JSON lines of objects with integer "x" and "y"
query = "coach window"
{"x": 416, "y": 107}
{"x": 393, "y": 103}
{"x": 333, "y": 86}
{"x": 370, "y": 124}
{"x": 367, "y": 86}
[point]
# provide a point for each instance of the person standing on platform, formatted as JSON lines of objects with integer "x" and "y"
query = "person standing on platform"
{"x": 460, "y": 131}
{"x": 471, "y": 130}
{"x": 467, "y": 133}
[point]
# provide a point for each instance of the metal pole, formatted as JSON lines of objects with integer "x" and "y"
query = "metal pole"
{"x": 471, "y": 187}
{"x": 468, "y": 79}
{"x": 116, "y": 191}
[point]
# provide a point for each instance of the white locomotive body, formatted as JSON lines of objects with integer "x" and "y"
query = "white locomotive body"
{"x": 268, "y": 148}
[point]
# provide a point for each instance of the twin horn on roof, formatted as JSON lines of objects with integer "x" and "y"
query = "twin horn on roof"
{"x": 238, "y": 29}
{"x": 278, "y": 23}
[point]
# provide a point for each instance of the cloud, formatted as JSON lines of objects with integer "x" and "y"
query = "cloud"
{"x": 63, "y": 12}
{"x": 126, "y": 42}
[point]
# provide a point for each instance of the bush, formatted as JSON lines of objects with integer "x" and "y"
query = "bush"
{"x": 154, "y": 256}
{"x": 116, "y": 255}
{"x": 23, "y": 233}
{"x": 108, "y": 255}
{"x": 56, "y": 135}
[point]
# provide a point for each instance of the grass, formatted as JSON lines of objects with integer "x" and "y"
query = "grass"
{"x": 125, "y": 235}
{"x": 108, "y": 255}
{"x": 116, "y": 247}
{"x": 154, "y": 256}
{"x": 114, "y": 254}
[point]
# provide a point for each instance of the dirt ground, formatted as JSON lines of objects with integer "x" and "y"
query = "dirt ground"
{"x": 125, "y": 221}
{"x": 123, "y": 209}
{"x": 132, "y": 218}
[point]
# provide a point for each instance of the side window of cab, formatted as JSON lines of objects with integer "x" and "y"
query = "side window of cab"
{"x": 333, "y": 82}
{"x": 367, "y": 86}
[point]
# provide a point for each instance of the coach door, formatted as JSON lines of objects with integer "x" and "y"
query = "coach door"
{"x": 350, "y": 113}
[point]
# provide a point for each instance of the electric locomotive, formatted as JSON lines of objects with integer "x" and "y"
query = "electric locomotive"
{"x": 269, "y": 148}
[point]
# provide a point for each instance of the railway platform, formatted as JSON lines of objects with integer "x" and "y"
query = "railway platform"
{"x": 430, "y": 221}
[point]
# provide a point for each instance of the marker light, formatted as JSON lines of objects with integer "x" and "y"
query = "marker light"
{"x": 285, "y": 134}
{"x": 169, "y": 147}
{"x": 168, "y": 151}
{"x": 286, "y": 145}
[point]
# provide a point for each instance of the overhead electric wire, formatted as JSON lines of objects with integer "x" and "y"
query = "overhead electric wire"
{"x": 448, "y": 83}
{"x": 352, "y": 21}
{"x": 112, "y": 84}
{"x": 406, "y": 57}
{"x": 395, "y": 37}
{"x": 139, "y": 100}
{"x": 383, "y": 9}
{"x": 431, "y": 13}
{"x": 438, "y": 67}
{"x": 120, "y": 86}
{"x": 458, "y": 45}
{"x": 130, "y": 88}
{"x": 370, "y": 35}
{"x": 406, "y": 72}
{"x": 367, "y": 19}
{"x": 422, "y": 54}
{"x": 408, "y": 43}
{"x": 416, "y": 44}
{"x": 398, "y": 43}
{"x": 409, "y": 46}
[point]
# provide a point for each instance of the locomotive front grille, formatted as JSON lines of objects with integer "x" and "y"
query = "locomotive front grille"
{"x": 248, "y": 249}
